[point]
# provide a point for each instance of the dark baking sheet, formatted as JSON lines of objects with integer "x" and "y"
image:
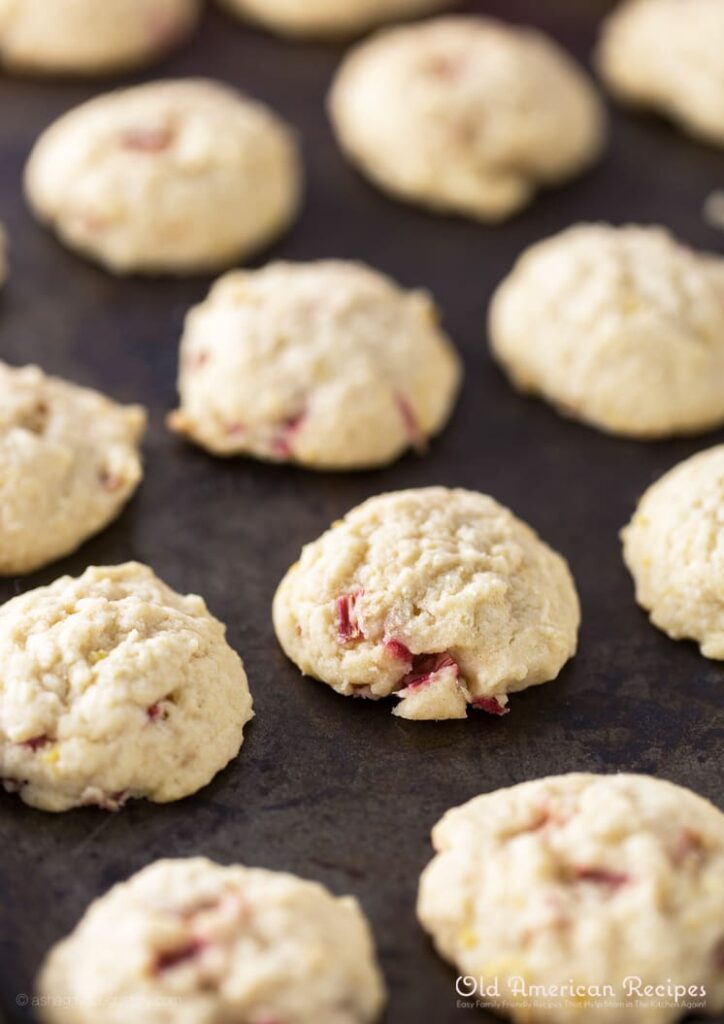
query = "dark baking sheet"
{"x": 330, "y": 788}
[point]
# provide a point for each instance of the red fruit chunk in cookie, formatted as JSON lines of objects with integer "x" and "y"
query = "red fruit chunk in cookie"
{"x": 602, "y": 876}
{"x": 171, "y": 958}
{"x": 348, "y": 627}
{"x": 147, "y": 140}
{"x": 36, "y": 742}
{"x": 490, "y": 705}
{"x": 398, "y": 650}
{"x": 412, "y": 426}
{"x": 424, "y": 667}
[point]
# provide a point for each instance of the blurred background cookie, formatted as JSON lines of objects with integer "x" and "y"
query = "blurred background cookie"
{"x": 171, "y": 177}
{"x": 667, "y": 55}
{"x": 622, "y": 328}
{"x": 466, "y": 115}
{"x": 329, "y": 18}
{"x": 91, "y": 37}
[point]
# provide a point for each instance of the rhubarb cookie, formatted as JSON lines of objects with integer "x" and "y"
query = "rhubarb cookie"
{"x": 113, "y": 686}
{"x": 439, "y": 597}
{"x": 666, "y": 55}
{"x": 622, "y": 328}
{"x": 466, "y": 115}
{"x": 69, "y": 461}
{"x": 88, "y": 37}
{"x": 674, "y": 548}
{"x": 169, "y": 177}
{"x": 218, "y": 944}
{"x": 330, "y": 365}
{"x": 329, "y": 18}
{"x": 576, "y": 884}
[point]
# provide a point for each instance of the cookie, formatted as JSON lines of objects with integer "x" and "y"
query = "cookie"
{"x": 88, "y": 37}
{"x": 622, "y": 328}
{"x": 113, "y": 686}
{"x": 674, "y": 549}
{"x": 554, "y": 891}
{"x": 330, "y": 365}
{"x": 170, "y": 177}
{"x": 69, "y": 462}
{"x": 466, "y": 115}
{"x": 329, "y": 18}
{"x": 440, "y": 597}
{"x": 225, "y": 943}
{"x": 666, "y": 55}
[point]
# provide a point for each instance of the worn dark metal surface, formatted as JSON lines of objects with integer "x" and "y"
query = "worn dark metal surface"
{"x": 336, "y": 789}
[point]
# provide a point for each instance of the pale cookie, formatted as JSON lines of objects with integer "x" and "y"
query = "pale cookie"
{"x": 577, "y": 883}
{"x": 89, "y": 37}
{"x": 440, "y": 597}
{"x": 667, "y": 55}
{"x": 466, "y": 115}
{"x": 622, "y": 328}
{"x": 674, "y": 548}
{"x": 69, "y": 462}
{"x": 170, "y": 177}
{"x": 193, "y": 942}
{"x": 113, "y": 686}
{"x": 330, "y": 365}
{"x": 329, "y": 18}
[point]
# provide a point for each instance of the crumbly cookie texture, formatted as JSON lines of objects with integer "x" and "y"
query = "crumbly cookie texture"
{"x": 328, "y": 364}
{"x": 581, "y": 880}
{"x": 620, "y": 327}
{"x": 667, "y": 55}
{"x": 191, "y": 941}
{"x": 169, "y": 177}
{"x": 69, "y": 461}
{"x": 440, "y": 597}
{"x": 88, "y": 37}
{"x": 466, "y": 115}
{"x": 329, "y": 18}
{"x": 674, "y": 549}
{"x": 113, "y": 686}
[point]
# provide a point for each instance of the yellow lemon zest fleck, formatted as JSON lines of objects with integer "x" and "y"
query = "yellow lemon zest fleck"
{"x": 52, "y": 757}
{"x": 95, "y": 656}
{"x": 468, "y": 938}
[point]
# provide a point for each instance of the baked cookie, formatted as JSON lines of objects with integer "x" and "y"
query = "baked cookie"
{"x": 170, "y": 177}
{"x": 223, "y": 943}
{"x": 674, "y": 549}
{"x": 329, "y": 18}
{"x": 328, "y": 364}
{"x": 440, "y": 597}
{"x": 113, "y": 686}
{"x": 581, "y": 882}
{"x": 667, "y": 55}
{"x": 466, "y": 115}
{"x": 622, "y": 328}
{"x": 88, "y": 37}
{"x": 69, "y": 462}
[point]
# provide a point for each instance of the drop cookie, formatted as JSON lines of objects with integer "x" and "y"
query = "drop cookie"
{"x": 329, "y": 18}
{"x": 466, "y": 115}
{"x": 69, "y": 462}
{"x": 170, "y": 177}
{"x": 330, "y": 365}
{"x": 225, "y": 943}
{"x": 666, "y": 55}
{"x": 574, "y": 884}
{"x": 88, "y": 37}
{"x": 442, "y": 598}
{"x": 622, "y": 328}
{"x": 674, "y": 549}
{"x": 113, "y": 686}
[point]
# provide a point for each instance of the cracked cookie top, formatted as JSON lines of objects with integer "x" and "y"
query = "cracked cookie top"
{"x": 441, "y": 597}
{"x": 113, "y": 686}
